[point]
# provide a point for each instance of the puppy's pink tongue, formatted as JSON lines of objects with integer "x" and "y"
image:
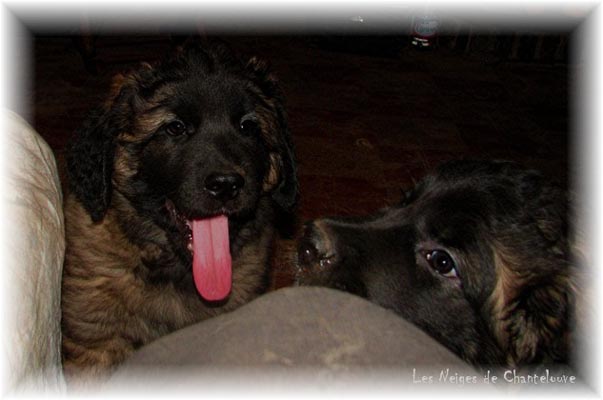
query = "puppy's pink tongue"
{"x": 212, "y": 265}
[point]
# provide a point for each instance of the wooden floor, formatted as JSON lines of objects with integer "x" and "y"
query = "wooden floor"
{"x": 364, "y": 125}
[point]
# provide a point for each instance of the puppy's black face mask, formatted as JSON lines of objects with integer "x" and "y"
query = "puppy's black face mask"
{"x": 203, "y": 168}
{"x": 201, "y": 129}
{"x": 194, "y": 144}
{"x": 436, "y": 258}
{"x": 206, "y": 155}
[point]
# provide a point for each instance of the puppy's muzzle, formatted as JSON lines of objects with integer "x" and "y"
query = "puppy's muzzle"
{"x": 316, "y": 249}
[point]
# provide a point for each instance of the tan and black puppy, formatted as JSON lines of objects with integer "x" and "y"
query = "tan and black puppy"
{"x": 175, "y": 182}
{"x": 478, "y": 255}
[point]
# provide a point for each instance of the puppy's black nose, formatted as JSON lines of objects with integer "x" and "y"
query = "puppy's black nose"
{"x": 315, "y": 247}
{"x": 307, "y": 253}
{"x": 224, "y": 186}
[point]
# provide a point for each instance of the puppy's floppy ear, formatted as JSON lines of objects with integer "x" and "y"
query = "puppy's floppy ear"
{"x": 91, "y": 153}
{"x": 90, "y": 163}
{"x": 534, "y": 295}
{"x": 535, "y": 324}
{"x": 286, "y": 192}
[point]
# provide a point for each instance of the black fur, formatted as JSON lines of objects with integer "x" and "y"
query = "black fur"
{"x": 90, "y": 162}
{"x": 90, "y": 155}
{"x": 509, "y": 298}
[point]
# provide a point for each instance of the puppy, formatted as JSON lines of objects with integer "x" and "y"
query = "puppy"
{"x": 477, "y": 255}
{"x": 175, "y": 182}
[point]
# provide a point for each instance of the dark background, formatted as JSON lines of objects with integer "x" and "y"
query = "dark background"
{"x": 369, "y": 115}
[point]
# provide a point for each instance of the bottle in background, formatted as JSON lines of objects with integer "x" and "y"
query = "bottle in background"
{"x": 424, "y": 30}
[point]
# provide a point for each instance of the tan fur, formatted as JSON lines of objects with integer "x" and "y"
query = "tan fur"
{"x": 502, "y": 295}
{"x": 272, "y": 177}
{"x": 101, "y": 282}
{"x": 520, "y": 331}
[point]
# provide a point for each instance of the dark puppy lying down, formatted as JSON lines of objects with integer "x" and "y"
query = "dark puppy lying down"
{"x": 477, "y": 255}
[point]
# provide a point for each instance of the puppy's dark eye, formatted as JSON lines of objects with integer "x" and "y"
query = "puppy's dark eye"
{"x": 442, "y": 262}
{"x": 175, "y": 128}
{"x": 249, "y": 127}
